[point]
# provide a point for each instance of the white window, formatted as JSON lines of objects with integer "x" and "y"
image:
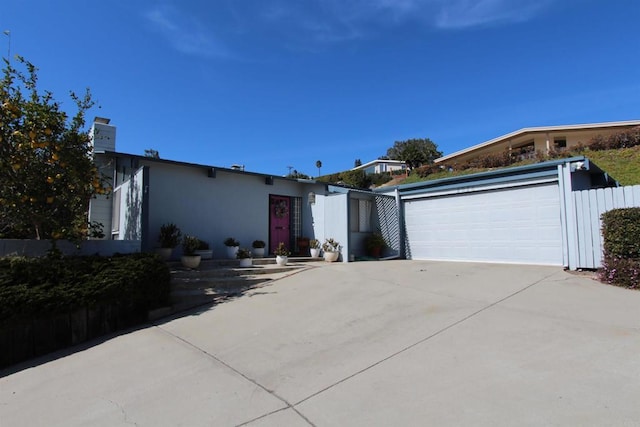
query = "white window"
{"x": 360, "y": 215}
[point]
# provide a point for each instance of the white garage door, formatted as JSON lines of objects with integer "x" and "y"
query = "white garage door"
{"x": 515, "y": 225}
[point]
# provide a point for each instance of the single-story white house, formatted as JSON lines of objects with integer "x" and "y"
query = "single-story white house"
{"x": 213, "y": 203}
{"x": 516, "y": 215}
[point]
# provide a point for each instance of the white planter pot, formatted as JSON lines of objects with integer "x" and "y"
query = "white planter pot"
{"x": 258, "y": 252}
{"x": 232, "y": 251}
{"x": 205, "y": 253}
{"x": 165, "y": 253}
{"x": 281, "y": 260}
{"x": 246, "y": 262}
{"x": 331, "y": 256}
{"x": 315, "y": 252}
{"x": 190, "y": 261}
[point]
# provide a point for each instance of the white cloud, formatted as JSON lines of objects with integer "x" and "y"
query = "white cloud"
{"x": 459, "y": 14}
{"x": 313, "y": 24}
{"x": 341, "y": 20}
{"x": 185, "y": 33}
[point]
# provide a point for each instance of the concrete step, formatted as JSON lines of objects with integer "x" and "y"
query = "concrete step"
{"x": 217, "y": 281}
{"x": 215, "y": 263}
{"x": 198, "y": 283}
{"x": 222, "y": 272}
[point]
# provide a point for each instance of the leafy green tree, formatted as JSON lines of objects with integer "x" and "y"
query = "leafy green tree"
{"x": 357, "y": 163}
{"x": 47, "y": 176}
{"x": 414, "y": 152}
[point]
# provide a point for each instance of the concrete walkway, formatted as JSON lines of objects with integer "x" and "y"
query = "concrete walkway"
{"x": 402, "y": 343}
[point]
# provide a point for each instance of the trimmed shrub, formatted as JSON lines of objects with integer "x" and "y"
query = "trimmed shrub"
{"x": 494, "y": 160}
{"x": 622, "y": 139}
{"x": 621, "y": 233}
{"x": 48, "y": 286}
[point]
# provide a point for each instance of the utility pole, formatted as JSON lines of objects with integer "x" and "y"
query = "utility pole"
{"x": 289, "y": 167}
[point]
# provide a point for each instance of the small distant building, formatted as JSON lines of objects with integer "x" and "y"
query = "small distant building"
{"x": 382, "y": 166}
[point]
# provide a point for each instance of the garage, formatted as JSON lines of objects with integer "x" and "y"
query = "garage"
{"x": 518, "y": 223}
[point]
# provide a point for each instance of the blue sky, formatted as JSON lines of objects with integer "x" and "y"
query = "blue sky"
{"x": 277, "y": 83}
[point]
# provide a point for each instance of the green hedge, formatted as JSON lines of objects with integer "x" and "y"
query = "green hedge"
{"x": 621, "y": 234}
{"x": 47, "y": 286}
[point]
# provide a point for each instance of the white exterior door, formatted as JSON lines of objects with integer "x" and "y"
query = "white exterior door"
{"x": 511, "y": 225}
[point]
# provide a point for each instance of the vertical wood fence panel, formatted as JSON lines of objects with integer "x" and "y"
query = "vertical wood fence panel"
{"x": 589, "y": 206}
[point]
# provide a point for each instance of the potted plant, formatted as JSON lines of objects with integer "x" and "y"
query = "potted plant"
{"x": 203, "y": 250}
{"x": 244, "y": 255}
{"x": 303, "y": 245}
{"x": 189, "y": 258}
{"x": 258, "y": 248}
{"x": 331, "y": 250}
{"x": 374, "y": 244}
{"x": 282, "y": 254}
{"x": 232, "y": 247}
{"x": 168, "y": 239}
{"x": 314, "y": 248}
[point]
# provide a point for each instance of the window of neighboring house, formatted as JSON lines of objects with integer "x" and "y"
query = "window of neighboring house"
{"x": 525, "y": 151}
{"x": 115, "y": 212}
{"x": 360, "y": 215}
{"x": 559, "y": 143}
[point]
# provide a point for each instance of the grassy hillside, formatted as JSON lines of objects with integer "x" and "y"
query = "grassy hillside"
{"x": 623, "y": 165}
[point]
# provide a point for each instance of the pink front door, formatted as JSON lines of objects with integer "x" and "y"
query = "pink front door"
{"x": 279, "y": 221}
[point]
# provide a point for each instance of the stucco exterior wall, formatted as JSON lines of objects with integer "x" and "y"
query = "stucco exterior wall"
{"x": 131, "y": 204}
{"x": 231, "y": 204}
{"x": 316, "y": 225}
{"x": 336, "y": 225}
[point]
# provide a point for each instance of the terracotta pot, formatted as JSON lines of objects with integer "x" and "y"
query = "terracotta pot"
{"x": 375, "y": 252}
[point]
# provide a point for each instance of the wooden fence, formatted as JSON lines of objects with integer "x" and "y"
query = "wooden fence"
{"x": 589, "y": 206}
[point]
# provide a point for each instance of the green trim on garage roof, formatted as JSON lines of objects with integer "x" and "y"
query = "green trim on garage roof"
{"x": 518, "y": 173}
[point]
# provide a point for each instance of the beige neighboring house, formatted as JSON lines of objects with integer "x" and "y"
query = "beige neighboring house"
{"x": 525, "y": 142}
{"x": 381, "y": 166}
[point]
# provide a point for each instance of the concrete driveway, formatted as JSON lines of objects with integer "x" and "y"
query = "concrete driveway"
{"x": 363, "y": 344}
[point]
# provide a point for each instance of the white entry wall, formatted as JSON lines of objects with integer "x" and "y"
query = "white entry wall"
{"x": 512, "y": 225}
